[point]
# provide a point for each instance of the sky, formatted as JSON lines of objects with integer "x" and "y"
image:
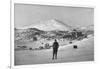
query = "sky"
{"x": 32, "y": 14}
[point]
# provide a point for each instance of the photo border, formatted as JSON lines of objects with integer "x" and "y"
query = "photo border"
{"x": 12, "y": 2}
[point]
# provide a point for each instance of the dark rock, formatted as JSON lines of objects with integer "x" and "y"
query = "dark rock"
{"x": 75, "y": 46}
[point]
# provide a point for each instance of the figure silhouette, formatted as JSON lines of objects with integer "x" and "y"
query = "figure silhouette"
{"x": 55, "y": 49}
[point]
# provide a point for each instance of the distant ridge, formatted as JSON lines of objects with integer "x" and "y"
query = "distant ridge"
{"x": 49, "y": 25}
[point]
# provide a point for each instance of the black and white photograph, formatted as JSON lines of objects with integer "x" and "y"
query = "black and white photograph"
{"x": 46, "y": 34}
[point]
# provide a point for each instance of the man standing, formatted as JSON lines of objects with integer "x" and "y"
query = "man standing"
{"x": 55, "y": 49}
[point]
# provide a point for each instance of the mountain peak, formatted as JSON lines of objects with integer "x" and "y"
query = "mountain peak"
{"x": 50, "y": 25}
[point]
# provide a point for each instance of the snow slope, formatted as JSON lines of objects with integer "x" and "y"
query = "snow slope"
{"x": 49, "y": 25}
{"x": 85, "y": 52}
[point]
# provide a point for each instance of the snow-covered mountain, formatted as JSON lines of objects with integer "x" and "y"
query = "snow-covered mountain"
{"x": 48, "y": 28}
{"x": 90, "y": 27}
{"x": 49, "y": 25}
{"x": 51, "y": 28}
{"x": 87, "y": 29}
{"x": 26, "y": 34}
